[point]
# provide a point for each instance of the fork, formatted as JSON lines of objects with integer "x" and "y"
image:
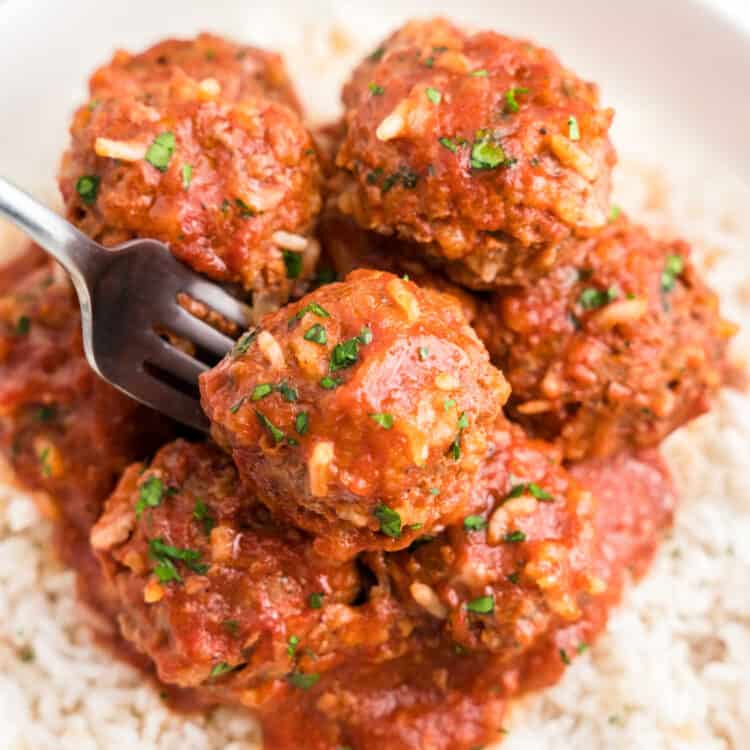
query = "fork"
{"x": 127, "y": 293}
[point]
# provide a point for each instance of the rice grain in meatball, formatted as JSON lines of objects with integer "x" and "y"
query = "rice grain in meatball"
{"x": 482, "y": 148}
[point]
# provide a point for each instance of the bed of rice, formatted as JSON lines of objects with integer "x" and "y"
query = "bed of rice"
{"x": 672, "y": 671}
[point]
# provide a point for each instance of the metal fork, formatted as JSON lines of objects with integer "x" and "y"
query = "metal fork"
{"x": 127, "y": 293}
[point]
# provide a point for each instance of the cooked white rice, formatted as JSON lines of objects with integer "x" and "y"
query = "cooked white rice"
{"x": 672, "y": 671}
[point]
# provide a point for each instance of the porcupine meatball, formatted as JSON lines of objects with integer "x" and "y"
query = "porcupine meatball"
{"x": 231, "y": 182}
{"x": 614, "y": 352}
{"x": 481, "y": 148}
{"x": 222, "y": 596}
{"x": 518, "y": 563}
{"x": 346, "y": 247}
{"x": 360, "y": 412}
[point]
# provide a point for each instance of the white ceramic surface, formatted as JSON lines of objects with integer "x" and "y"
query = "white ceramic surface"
{"x": 675, "y": 70}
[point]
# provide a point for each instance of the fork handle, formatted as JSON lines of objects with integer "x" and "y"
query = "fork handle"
{"x": 78, "y": 254}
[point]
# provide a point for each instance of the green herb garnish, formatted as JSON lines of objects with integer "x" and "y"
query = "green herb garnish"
{"x": 165, "y": 556}
{"x": 303, "y": 681}
{"x": 149, "y": 495}
{"x": 484, "y": 605}
{"x": 592, "y": 298}
{"x": 202, "y": 514}
{"x": 316, "y": 600}
{"x": 160, "y": 151}
{"x": 329, "y": 383}
{"x": 300, "y": 423}
{"x": 272, "y": 430}
{"x": 515, "y": 537}
{"x": 574, "y": 131}
{"x": 244, "y": 343}
{"x": 474, "y": 523}
{"x": 261, "y": 391}
{"x": 288, "y": 392}
{"x": 487, "y": 153}
{"x": 390, "y": 521}
{"x": 511, "y": 103}
{"x": 424, "y": 352}
{"x": 245, "y": 211}
{"x": 383, "y": 419}
{"x": 187, "y": 176}
{"x": 673, "y": 267}
{"x": 448, "y": 143}
{"x": 317, "y": 334}
{"x": 292, "y": 263}
{"x": 433, "y": 95}
{"x": 376, "y": 90}
{"x": 87, "y": 188}
{"x": 23, "y": 326}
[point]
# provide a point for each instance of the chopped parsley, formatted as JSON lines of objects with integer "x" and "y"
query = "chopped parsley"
{"x": 232, "y": 627}
{"x": 511, "y": 103}
{"x": 270, "y": 427}
{"x": 448, "y": 143}
{"x": 433, "y": 95}
{"x": 673, "y": 267}
{"x": 533, "y": 489}
{"x": 325, "y": 276}
{"x": 424, "y": 352}
{"x": 187, "y": 175}
{"x": 288, "y": 392}
{"x": 384, "y": 419}
{"x": 221, "y": 668}
{"x": 23, "y": 326}
{"x": 455, "y": 447}
{"x": 592, "y": 298}
{"x": 482, "y": 73}
{"x": 377, "y": 54}
{"x": 237, "y": 405}
{"x": 574, "y": 131}
{"x": 449, "y": 404}
{"x": 166, "y": 555}
{"x": 376, "y": 90}
{"x": 46, "y": 413}
{"x": 390, "y": 521}
{"x": 44, "y": 463}
{"x": 87, "y": 188}
{"x": 317, "y": 334}
{"x": 329, "y": 383}
{"x": 582, "y": 648}
{"x": 292, "y": 263}
{"x": 292, "y": 646}
{"x": 487, "y": 153}
{"x": 300, "y": 423}
{"x": 245, "y": 211}
{"x": 434, "y": 491}
{"x": 202, "y": 514}
{"x": 244, "y": 343}
{"x": 514, "y": 537}
{"x": 614, "y": 212}
{"x": 314, "y": 308}
{"x": 261, "y": 391}
{"x": 564, "y": 657}
{"x": 474, "y": 523}
{"x": 160, "y": 151}
{"x": 149, "y": 495}
{"x": 346, "y": 353}
{"x": 316, "y": 600}
{"x": 302, "y": 680}
{"x": 514, "y": 578}
{"x": 484, "y": 605}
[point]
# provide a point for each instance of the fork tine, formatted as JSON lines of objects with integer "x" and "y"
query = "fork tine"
{"x": 149, "y": 390}
{"x": 181, "y": 322}
{"x": 215, "y": 297}
{"x": 174, "y": 360}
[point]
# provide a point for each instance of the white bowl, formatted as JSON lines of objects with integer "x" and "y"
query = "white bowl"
{"x": 675, "y": 70}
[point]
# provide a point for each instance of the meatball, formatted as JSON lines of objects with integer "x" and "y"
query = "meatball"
{"x": 347, "y": 247}
{"x": 481, "y": 148}
{"x": 613, "y": 352}
{"x": 360, "y": 412}
{"x": 232, "y": 187}
{"x": 242, "y": 72}
{"x": 519, "y": 563}
{"x": 222, "y": 596}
